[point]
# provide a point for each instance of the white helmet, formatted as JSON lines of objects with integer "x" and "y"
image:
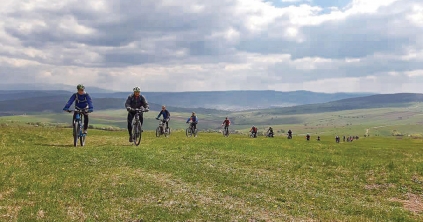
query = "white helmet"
{"x": 137, "y": 89}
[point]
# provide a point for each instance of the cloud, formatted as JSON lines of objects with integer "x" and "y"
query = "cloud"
{"x": 169, "y": 45}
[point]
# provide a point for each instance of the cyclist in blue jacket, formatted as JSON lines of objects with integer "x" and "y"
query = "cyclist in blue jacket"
{"x": 166, "y": 116}
{"x": 82, "y": 101}
{"x": 194, "y": 120}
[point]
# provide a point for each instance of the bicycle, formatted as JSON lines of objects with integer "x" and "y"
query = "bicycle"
{"x": 78, "y": 126}
{"x": 136, "y": 126}
{"x": 269, "y": 134}
{"x": 226, "y": 131}
{"x": 190, "y": 130}
{"x": 161, "y": 130}
{"x": 253, "y": 135}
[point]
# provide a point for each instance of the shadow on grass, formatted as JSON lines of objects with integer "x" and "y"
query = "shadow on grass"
{"x": 54, "y": 145}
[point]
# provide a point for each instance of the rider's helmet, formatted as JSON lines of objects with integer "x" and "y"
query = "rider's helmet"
{"x": 137, "y": 89}
{"x": 226, "y": 118}
{"x": 80, "y": 86}
{"x": 193, "y": 113}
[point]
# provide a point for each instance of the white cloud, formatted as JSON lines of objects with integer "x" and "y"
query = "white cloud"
{"x": 214, "y": 45}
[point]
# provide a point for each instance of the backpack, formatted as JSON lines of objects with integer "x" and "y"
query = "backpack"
{"x": 77, "y": 99}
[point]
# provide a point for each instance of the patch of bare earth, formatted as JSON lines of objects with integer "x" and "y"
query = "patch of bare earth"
{"x": 378, "y": 186}
{"x": 413, "y": 202}
{"x": 76, "y": 213}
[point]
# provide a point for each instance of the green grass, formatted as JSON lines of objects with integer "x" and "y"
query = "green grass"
{"x": 208, "y": 178}
{"x": 380, "y": 122}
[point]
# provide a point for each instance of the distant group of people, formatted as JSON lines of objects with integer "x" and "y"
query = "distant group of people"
{"x": 135, "y": 101}
{"x": 346, "y": 139}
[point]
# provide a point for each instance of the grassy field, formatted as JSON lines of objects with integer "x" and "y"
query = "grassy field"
{"x": 208, "y": 178}
{"x": 376, "y": 122}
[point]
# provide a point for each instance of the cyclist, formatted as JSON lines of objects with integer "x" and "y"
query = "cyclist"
{"x": 289, "y": 134}
{"x": 166, "y": 116}
{"x": 194, "y": 120}
{"x": 337, "y": 139}
{"x": 270, "y": 132}
{"x": 82, "y": 101}
{"x": 135, "y": 101}
{"x": 318, "y": 138}
{"x": 226, "y": 123}
{"x": 253, "y": 131}
{"x": 308, "y": 136}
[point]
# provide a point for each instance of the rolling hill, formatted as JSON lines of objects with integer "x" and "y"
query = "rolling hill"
{"x": 228, "y": 100}
{"x": 366, "y": 102}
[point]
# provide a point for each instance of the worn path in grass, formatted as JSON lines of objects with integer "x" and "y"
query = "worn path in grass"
{"x": 208, "y": 178}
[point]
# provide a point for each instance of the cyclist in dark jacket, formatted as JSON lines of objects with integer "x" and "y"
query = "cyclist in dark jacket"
{"x": 166, "y": 116}
{"x": 82, "y": 101}
{"x": 135, "y": 101}
{"x": 194, "y": 120}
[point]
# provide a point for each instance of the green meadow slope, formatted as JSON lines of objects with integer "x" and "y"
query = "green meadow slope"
{"x": 208, "y": 178}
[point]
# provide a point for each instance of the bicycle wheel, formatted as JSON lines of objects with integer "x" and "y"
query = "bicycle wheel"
{"x": 75, "y": 133}
{"x": 82, "y": 139}
{"x": 167, "y": 132}
{"x": 158, "y": 131}
{"x": 188, "y": 132}
{"x": 137, "y": 134}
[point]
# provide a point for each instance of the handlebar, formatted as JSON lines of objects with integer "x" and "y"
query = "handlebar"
{"x": 78, "y": 111}
{"x": 139, "y": 110}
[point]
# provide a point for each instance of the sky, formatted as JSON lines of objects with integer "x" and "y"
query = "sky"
{"x": 196, "y": 45}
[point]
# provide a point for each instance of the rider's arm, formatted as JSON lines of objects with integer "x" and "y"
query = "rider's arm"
{"x": 71, "y": 100}
{"x": 161, "y": 112}
{"x": 128, "y": 102}
{"x": 90, "y": 102}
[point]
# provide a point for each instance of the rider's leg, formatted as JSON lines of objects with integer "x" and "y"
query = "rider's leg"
{"x": 167, "y": 123}
{"x": 86, "y": 122}
{"x": 130, "y": 118}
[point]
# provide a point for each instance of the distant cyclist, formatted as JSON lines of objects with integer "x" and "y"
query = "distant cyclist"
{"x": 253, "y": 131}
{"x": 194, "y": 120}
{"x": 166, "y": 116}
{"x": 226, "y": 123}
{"x": 82, "y": 101}
{"x": 270, "y": 132}
{"x": 318, "y": 138}
{"x": 289, "y": 134}
{"x": 135, "y": 101}
{"x": 337, "y": 139}
{"x": 308, "y": 137}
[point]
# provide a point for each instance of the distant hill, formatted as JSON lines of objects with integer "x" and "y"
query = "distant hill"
{"x": 56, "y": 103}
{"x": 367, "y": 102}
{"x": 48, "y": 87}
{"x": 221, "y": 100}
{"x": 236, "y": 100}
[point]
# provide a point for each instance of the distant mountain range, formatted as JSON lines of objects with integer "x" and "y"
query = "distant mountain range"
{"x": 31, "y": 101}
{"x": 218, "y": 100}
{"x": 367, "y": 102}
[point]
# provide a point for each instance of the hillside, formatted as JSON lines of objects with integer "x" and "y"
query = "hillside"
{"x": 224, "y": 100}
{"x": 208, "y": 178}
{"x": 56, "y": 103}
{"x": 367, "y": 102}
{"x": 237, "y": 100}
